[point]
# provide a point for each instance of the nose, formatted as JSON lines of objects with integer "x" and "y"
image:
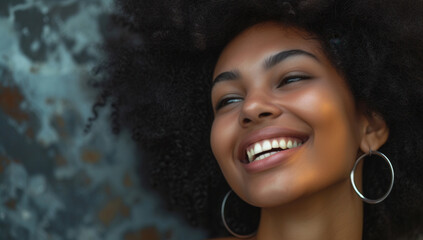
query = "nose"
{"x": 258, "y": 107}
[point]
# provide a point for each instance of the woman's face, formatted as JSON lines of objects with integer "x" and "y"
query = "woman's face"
{"x": 286, "y": 125}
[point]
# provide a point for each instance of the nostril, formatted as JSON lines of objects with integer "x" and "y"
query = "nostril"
{"x": 246, "y": 120}
{"x": 265, "y": 114}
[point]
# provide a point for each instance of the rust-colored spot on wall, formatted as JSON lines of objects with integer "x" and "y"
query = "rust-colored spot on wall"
{"x": 111, "y": 210}
{"x": 127, "y": 180}
{"x": 4, "y": 161}
{"x": 91, "y": 156}
{"x": 59, "y": 123}
{"x": 34, "y": 69}
{"x": 50, "y": 101}
{"x": 11, "y": 204}
{"x": 148, "y": 233}
{"x": 10, "y": 99}
{"x": 60, "y": 160}
{"x": 30, "y": 133}
{"x": 125, "y": 210}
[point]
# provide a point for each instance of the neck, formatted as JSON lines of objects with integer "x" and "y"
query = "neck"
{"x": 334, "y": 213}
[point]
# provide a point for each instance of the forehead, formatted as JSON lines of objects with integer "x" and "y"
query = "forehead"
{"x": 261, "y": 40}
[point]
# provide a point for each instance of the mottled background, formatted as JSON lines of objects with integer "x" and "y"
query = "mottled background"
{"x": 56, "y": 182}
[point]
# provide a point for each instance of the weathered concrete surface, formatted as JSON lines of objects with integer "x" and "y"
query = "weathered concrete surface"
{"x": 55, "y": 181}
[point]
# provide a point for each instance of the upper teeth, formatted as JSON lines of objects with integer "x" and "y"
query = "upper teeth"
{"x": 254, "y": 151}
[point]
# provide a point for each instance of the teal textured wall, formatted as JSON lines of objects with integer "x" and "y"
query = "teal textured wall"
{"x": 56, "y": 182}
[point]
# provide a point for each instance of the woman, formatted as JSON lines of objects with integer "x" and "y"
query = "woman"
{"x": 299, "y": 91}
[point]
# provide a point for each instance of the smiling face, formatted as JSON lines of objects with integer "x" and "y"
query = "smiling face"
{"x": 286, "y": 125}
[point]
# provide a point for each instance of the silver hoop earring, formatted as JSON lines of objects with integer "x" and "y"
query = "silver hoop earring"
{"x": 367, "y": 200}
{"x": 222, "y": 213}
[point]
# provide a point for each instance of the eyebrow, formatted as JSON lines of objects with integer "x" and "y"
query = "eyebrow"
{"x": 279, "y": 57}
{"x": 268, "y": 63}
{"x": 225, "y": 76}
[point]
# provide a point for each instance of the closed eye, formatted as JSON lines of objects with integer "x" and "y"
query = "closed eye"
{"x": 291, "y": 79}
{"x": 226, "y": 101}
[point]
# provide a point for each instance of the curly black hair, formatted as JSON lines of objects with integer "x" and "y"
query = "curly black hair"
{"x": 158, "y": 78}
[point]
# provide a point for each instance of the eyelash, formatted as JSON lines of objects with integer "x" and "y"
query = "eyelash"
{"x": 287, "y": 80}
{"x": 226, "y": 101}
{"x": 292, "y": 79}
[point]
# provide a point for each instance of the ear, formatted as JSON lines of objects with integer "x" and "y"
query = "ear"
{"x": 375, "y": 132}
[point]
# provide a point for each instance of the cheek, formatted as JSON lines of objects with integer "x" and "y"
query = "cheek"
{"x": 335, "y": 132}
{"x": 224, "y": 142}
{"x": 329, "y": 111}
{"x": 222, "y": 139}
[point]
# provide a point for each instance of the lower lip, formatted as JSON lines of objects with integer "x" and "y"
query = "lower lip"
{"x": 271, "y": 161}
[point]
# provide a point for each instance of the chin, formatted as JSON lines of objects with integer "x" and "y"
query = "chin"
{"x": 272, "y": 199}
{"x": 262, "y": 194}
{"x": 283, "y": 188}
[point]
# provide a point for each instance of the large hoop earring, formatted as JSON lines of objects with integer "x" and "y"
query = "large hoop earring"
{"x": 222, "y": 213}
{"x": 367, "y": 200}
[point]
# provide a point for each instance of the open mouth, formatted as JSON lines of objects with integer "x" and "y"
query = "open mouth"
{"x": 268, "y": 147}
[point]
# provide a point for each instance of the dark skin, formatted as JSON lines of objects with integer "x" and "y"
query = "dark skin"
{"x": 274, "y": 85}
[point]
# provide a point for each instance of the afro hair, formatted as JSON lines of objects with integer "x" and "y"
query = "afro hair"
{"x": 158, "y": 79}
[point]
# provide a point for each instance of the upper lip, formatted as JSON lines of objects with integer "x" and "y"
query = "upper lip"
{"x": 267, "y": 133}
